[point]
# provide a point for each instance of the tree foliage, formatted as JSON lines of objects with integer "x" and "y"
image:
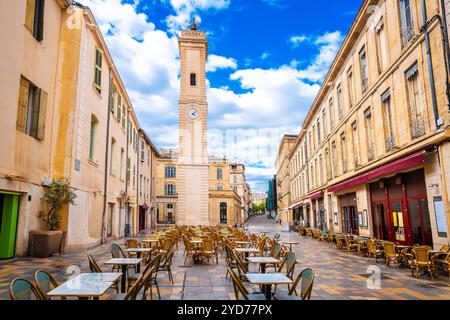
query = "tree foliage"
{"x": 56, "y": 195}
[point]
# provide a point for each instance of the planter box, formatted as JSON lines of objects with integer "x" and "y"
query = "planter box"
{"x": 45, "y": 243}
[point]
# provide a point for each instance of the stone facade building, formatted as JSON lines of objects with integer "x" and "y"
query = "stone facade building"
{"x": 373, "y": 155}
{"x": 69, "y": 115}
{"x": 283, "y": 178}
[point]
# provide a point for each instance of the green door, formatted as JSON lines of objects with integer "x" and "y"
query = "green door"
{"x": 9, "y": 208}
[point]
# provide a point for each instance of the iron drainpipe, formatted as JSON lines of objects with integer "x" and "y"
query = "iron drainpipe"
{"x": 430, "y": 65}
{"x": 105, "y": 187}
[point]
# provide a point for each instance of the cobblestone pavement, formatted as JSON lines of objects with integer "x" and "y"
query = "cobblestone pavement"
{"x": 339, "y": 276}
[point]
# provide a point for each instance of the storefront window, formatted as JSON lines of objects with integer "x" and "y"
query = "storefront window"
{"x": 441, "y": 220}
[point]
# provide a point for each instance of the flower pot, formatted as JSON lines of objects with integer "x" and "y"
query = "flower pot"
{"x": 45, "y": 243}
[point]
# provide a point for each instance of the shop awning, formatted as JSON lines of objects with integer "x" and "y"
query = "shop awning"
{"x": 410, "y": 161}
{"x": 316, "y": 195}
{"x": 295, "y": 205}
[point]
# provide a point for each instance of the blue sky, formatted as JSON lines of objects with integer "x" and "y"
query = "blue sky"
{"x": 267, "y": 59}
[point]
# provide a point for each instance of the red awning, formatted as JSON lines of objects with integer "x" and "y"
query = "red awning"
{"x": 316, "y": 195}
{"x": 392, "y": 167}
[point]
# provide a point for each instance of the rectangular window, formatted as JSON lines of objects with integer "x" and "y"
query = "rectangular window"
{"x": 142, "y": 151}
{"x": 119, "y": 108}
{"x": 380, "y": 34}
{"x": 319, "y": 138}
{"x": 34, "y": 18}
{"x": 340, "y": 102}
{"x": 112, "y": 156}
{"x": 98, "y": 70}
{"x": 170, "y": 190}
{"x": 134, "y": 177}
{"x": 124, "y": 115}
{"x": 415, "y": 102}
{"x": 388, "y": 120}
{"x": 355, "y": 138}
{"x": 171, "y": 172}
{"x": 128, "y": 171}
{"x": 93, "y": 137}
{"x": 406, "y": 19}
{"x": 114, "y": 94}
{"x": 314, "y": 134}
{"x": 328, "y": 164}
{"x": 335, "y": 162}
{"x": 344, "y": 152}
{"x": 219, "y": 173}
{"x": 324, "y": 122}
{"x": 331, "y": 111}
{"x": 350, "y": 87}
{"x": 322, "y": 180}
{"x": 32, "y": 110}
{"x": 193, "y": 79}
{"x": 122, "y": 157}
{"x": 364, "y": 70}
{"x": 369, "y": 134}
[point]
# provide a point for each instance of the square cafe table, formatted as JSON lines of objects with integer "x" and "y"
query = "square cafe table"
{"x": 85, "y": 286}
{"x": 290, "y": 243}
{"x": 263, "y": 261}
{"x": 267, "y": 280}
{"x": 123, "y": 263}
{"x": 138, "y": 252}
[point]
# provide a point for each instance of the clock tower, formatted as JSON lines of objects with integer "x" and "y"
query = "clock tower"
{"x": 193, "y": 167}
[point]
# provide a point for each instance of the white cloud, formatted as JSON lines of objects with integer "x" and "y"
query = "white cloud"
{"x": 328, "y": 44}
{"x": 216, "y": 62}
{"x": 265, "y": 55}
{"x": 185, "y": 9}
{"x": 296, "y": 40}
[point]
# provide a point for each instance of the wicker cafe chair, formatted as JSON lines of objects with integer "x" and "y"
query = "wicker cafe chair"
{"x": 118, "y": 253}
{"x": 95, "y": 268}
{"x": 242, "y": 267}
{"x": 340, "y": 244}
{"x": 306, "y": 277}
{"x": 372, "y": 250}
{"x": 189, "y": 250}
{"x": 44, "y": 283}
{"x": 208, "y": 250}
{"x": 290, "y": 261}
{"x": 422, "y": 261}
{"x": 350, "y": 244}
{"x": 239, "y": 288}
{"x": 230, "y": 260}
{"x": 22, "y": 289}
{"x": 132, "y": 293}
{"x": 390, "y": 254}
{"x": 166, "y": 262}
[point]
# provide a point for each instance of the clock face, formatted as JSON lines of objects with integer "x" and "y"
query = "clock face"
{"x": 193, "y": 114}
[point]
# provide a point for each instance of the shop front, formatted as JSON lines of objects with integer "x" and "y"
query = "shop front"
{"x": 349, "y": 213}
{"x": 400, "y": 209}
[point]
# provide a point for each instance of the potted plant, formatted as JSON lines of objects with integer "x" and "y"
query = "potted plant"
{"x": 56, "y": 195}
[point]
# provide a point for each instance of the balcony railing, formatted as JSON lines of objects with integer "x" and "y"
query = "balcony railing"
{"x": 390, "y": 143}
{"x": 371, "y": 153}
{"x": 418, "y": 128}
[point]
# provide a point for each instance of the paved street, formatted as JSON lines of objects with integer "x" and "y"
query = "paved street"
{"x": 338, "y": 275}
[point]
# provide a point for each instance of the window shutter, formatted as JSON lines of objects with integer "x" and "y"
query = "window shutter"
{"x": 29, "y": 15}
{"x": 42, "y": 115}
{"x": 39, "y": 20}
{"x": 22, "y": 107}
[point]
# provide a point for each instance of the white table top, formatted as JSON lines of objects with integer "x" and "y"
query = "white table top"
{"x": 196, "y": 241}
{"x": 263, "y": 260}
{"x": 138, "y": 250}
{"x": 79, "y": 288}
{"x": 268, "y": 278}
{"x": 124, "y": 261}
{"x": 290, "y": 242}
{"x": 150, "y": 240}
{"x": 99, "y": 277}
{"x": 245, "y": 250}
{"x": 242, "y": 242}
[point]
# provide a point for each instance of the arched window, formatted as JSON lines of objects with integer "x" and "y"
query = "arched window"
{"x": 220, "y": 187}
{"x": 223, "y": 213}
